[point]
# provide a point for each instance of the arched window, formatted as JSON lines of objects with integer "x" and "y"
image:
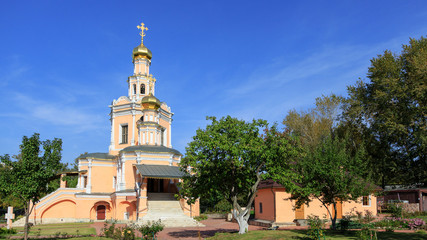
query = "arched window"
{"x": 142, "y": 89}
{"x": 134, "y": 89}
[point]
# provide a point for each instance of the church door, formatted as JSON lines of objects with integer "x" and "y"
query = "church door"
{"x": 100, "y": 212}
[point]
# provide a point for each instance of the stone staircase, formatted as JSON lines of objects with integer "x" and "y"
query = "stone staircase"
{"x": 163, "y": 206}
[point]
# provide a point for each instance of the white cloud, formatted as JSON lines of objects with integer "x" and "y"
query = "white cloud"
{"x": 58, "y": 114}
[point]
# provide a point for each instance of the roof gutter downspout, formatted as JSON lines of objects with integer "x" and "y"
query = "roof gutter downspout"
{"x": 274, "y": 204}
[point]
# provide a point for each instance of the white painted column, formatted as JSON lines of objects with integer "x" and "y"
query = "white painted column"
{"x": 79, "y": 177}
{"x": 170, "y": 135}
{"x": 118, "y": 179}
{"x": 132, "y": 142}
{"x": 112, "y": 132}
{"x": 89, "y": 177}
{"x": 123, "y": 182}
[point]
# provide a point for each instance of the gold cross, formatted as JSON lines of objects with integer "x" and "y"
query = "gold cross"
{"x": 142, "y": 34}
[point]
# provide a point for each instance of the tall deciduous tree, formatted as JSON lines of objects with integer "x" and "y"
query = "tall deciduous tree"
{"x": 390, "y": 111}
{"x": 316, "y": 123}
{"x": 27, "y": 178}
{"x": 226, "y": 158}
{"x": 329, "y": 173}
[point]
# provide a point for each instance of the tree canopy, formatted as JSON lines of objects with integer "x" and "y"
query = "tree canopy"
{"x": 329, "y": 173}
{"x": 27, "y": 178}
{"x": 329, "y": 166}
{"x": 316, "y": 123}
{"x": 389, "y": 111}
{"x": 226, "y": 158}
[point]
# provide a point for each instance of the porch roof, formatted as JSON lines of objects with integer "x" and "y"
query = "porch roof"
{"x": 159, "y": 171}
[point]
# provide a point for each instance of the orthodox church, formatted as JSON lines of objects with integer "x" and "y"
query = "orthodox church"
{"x": 137, "y": 178}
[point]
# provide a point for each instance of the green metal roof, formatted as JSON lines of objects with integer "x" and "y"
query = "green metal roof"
{"x": 97, "y": 156}
{"x": 159, "y": 171}
{"x": 150, "y": 148}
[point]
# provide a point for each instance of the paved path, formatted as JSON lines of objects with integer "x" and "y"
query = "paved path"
{"x": 212, "y": 226}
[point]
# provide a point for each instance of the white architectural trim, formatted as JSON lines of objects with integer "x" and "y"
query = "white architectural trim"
{"x": 93, "y": 196}
{"x": 132, "y": 142}
{"x": 89, "y": 180}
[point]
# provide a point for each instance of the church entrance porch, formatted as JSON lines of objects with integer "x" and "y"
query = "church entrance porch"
{"x": 161, "y": 185}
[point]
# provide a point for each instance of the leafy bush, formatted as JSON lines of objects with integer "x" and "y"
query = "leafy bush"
{"x": 344, "y": 223}
{"x": 366, "y": 234}
{"x": 369, "y": 216}
{"x": 201, "y": 217}
{"x": 396, "y": 210}
{"x": 408, "y": 223}
{"x": 119, "y": 233}
{"x": 223, "y": 206}
{"x": 4, "y": 231}
{"x": 316, "y": 225}
{"x": 150, "y": 230}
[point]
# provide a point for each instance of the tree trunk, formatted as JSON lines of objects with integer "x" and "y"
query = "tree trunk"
{"x": 334, "y": 218}
{"x": 27, "y": 216}
{"x": 242, "y": 220}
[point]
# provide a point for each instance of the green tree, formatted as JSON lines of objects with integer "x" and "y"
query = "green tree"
{"x": 27, "y": 178}
{"x": 329, "y": 173}
{"x": 226, "y": 158}
{"x": 313, "y": 125}
{"x": 389, "y": 112}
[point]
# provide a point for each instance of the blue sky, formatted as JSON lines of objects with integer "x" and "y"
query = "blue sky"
{"x": 63, "y": 62}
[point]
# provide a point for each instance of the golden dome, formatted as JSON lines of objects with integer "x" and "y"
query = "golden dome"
{"x": 141, "y": 51}
{"x": 150, "y": 102}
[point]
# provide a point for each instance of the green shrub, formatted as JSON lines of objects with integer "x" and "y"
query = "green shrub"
{"x": 396, "y": 210}
{"x": 150, "y": 230}
{"x": 366, "y": 234}
{"x": 316, "y": 225}
{"x": 118, "y": 233}
{"x": 4, "y": 231}
{"x": 223, "y": 206}
{"x": 201, "y": 217}
{"x": 344, "y": 224}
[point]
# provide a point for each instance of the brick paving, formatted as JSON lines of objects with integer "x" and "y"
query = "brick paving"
{"x": 212, "y": 226}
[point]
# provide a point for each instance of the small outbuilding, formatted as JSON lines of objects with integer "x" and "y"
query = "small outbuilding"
{"x": 273, "y": 204}
{"x": 414, "y": 199}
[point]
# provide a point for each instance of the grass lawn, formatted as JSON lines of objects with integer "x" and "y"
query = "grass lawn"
{"x": 59, "y": 229}
{"x": 301, "y": 234}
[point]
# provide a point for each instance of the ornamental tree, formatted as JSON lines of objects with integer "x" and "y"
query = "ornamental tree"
{"x": 226, "y": 159}
{"x": 27, "y": 177}
{"x": 329, "y": 173}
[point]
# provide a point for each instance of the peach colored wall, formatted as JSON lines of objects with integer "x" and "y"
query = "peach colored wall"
{"x": 284, "y": 206}
{"x": 194, "y": 211}
{"x": 166, "y": 125}
{"x": 102, "y": 176}
{"x": 164, "y": 162}
{"x": 315, "y": 207}
{"x": 266, "y": 197}
{"x": 127, "y": 119}
{"x": 126, "y": 206}
{"x": 350, "y": 208}
{"x": 130, "y": 174}
{"x": 61, "y": 209}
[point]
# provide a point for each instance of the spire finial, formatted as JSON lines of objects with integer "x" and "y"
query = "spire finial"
{"x": 142, "y": 34}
